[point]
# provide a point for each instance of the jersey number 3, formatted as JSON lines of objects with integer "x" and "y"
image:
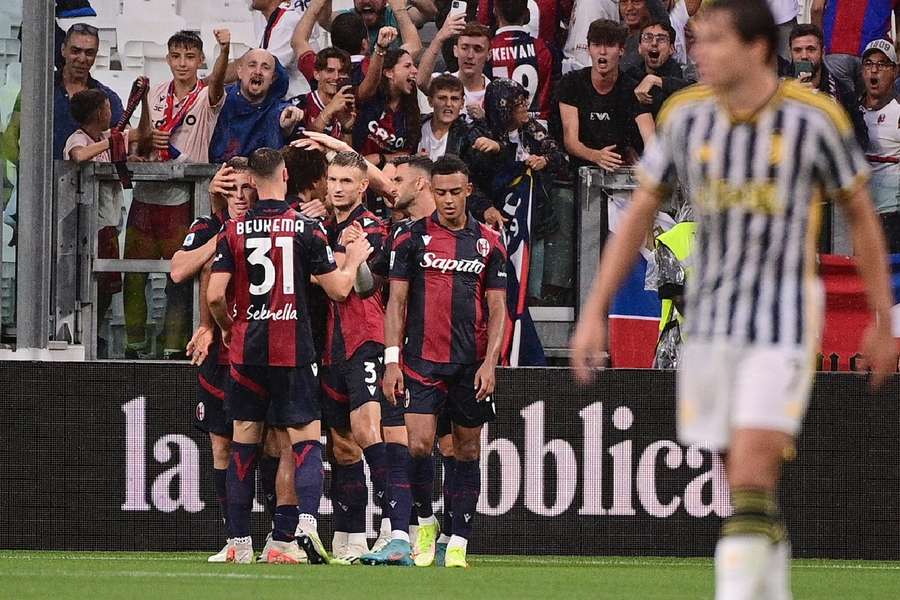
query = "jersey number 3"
{"x": 259, "y": 255}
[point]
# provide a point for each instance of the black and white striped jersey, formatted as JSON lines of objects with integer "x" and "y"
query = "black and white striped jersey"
{"x": 757, "y": 186}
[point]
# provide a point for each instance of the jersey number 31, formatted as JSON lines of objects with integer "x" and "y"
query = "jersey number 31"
{"x": 259, "y": 255}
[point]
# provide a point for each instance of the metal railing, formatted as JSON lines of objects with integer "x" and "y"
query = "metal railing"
{"x": 75, "y": 257}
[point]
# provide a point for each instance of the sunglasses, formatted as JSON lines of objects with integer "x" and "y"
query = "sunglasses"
{"x": 84, "y": 28}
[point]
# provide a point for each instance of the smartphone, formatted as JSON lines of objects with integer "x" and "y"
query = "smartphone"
{"x": 803, "y": 70}
{"x": 457, "y": 7}
{"x": 344, "y": 82}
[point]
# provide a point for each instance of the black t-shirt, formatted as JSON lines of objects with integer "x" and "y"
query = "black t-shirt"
{"x": 603, "y": 119}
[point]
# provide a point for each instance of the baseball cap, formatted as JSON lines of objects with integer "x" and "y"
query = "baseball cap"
{"x": 884, "y": 46}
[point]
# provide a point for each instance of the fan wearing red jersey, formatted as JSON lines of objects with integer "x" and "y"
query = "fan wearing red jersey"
{"x": 268, "y": 256}
{"x": 448, "y": 302}
{"x": 517, "y": 55}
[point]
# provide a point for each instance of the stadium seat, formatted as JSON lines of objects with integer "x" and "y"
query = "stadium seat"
{"x": 148, "y": 9}
{"x": 196, "y": 13}
{"x": 241, "y": 38}
{"x": 142, "y": 45}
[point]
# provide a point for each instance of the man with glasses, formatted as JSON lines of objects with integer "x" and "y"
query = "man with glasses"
{"x": 660, "y": 75}
{"x": 882, "y": 116}
{"x": 79, "y": 51}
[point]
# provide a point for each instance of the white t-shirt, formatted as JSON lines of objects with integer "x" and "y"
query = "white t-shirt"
{"x": 883, "y": 154}
{"x": 679, "y": 17}
{"x": 430, "y": 145}
{"x": 110, "y": 204}
{"x": 191, "y": 139}
{"x": 784, "y": 10}
{"x": 585, "y": 12}
{"x": 471, "y": 97}
{"x": 280, "y": 46}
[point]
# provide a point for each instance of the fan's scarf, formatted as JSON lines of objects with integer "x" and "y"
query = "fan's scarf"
{"x": 118, "y": 150}
{"x": 173, "y": 120}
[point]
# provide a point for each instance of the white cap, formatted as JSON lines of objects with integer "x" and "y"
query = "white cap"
{"x": 883, "y": 46}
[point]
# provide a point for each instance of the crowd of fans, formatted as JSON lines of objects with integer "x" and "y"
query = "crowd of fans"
{"x": 551, "y": 85}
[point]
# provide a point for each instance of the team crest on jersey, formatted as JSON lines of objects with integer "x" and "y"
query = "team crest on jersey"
{"x": 483, "y": 247}
{"x": 200, "y": 411}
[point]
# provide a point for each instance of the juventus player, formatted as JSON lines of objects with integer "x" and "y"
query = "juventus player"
{"x": 756, "y": 153}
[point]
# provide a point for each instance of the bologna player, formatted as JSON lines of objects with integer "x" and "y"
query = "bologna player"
{"x": 206, "y": 348}
{"x": 268, "y": 256}
{"x": 756, "y": 153}
{"x": 448, "y": 302}
{"x": 353, "y": 365}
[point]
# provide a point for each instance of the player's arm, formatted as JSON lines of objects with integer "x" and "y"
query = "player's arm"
{"x": 878, "y": 346}
{"x": 216, "y": 80}
{"x": 589, "y": 340}
{"x": 338, "y": 283}
{"x": 394, "y": 329}
{"x": 484, "y": 378}
{"x": 187, "y": 263}
{"x": 218, "y": 306}
{"x": 198, "y": 346}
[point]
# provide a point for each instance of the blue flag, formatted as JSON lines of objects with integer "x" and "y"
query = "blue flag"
{"x": 517, "y": 187}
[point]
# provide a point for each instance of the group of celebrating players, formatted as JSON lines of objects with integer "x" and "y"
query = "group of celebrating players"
{"x": 413, "y": 314}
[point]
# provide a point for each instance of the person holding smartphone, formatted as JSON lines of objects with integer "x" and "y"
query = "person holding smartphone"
{"x": 331, "y": 107}
{"x": 808, "y": 66}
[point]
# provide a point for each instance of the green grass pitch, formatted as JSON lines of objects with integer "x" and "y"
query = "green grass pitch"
{"x": 157, "y": 576}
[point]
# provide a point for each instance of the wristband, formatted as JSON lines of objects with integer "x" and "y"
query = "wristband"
{"x": 391, "y": 355}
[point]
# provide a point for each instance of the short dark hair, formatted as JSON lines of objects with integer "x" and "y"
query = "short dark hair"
{"x": 415, "y": 161}
{"x": 475, "y": 29}
{"x": 607, "y": 33}
{"x": 238, "y": 163}
{"x": 804, "y": 29}
{"x": 665, "y": 24}
{"x": 512, "y": 11}
{"x": 445, "y": 82}
{"x": 331, "y": 52}
{"x": 263, "y": 162}
{"x": 350, "y": 158}
{"x": 449, "y": 164}
{"x": 84, "y": 105}
{"x": 188, "y": 40}
{"x": 348, "y": 31}
{"x": 305, "y": 168}
{"x": 752, "y": 20}
{"x": 82, "y": 29}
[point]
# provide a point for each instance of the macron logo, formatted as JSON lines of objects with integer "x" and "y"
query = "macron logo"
{"x": 426, "y": 239}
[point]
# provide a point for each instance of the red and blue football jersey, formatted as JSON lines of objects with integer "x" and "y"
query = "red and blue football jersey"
{"x": 271, "y": 252}
{"x": 449, "y": 274}
{"x": 516, "y": 55}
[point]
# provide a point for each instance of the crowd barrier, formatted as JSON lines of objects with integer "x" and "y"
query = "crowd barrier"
{"x": 102, "y": 456}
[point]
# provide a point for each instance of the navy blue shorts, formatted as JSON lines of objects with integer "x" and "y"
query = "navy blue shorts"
{"x": 209, "y": 413}
{"x": 349, "y": 384}
{"x": 435, "y": 388}
{"x": 278, "y": 396}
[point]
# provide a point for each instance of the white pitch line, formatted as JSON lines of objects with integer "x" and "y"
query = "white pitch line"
{"x": 166, "y": 575}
